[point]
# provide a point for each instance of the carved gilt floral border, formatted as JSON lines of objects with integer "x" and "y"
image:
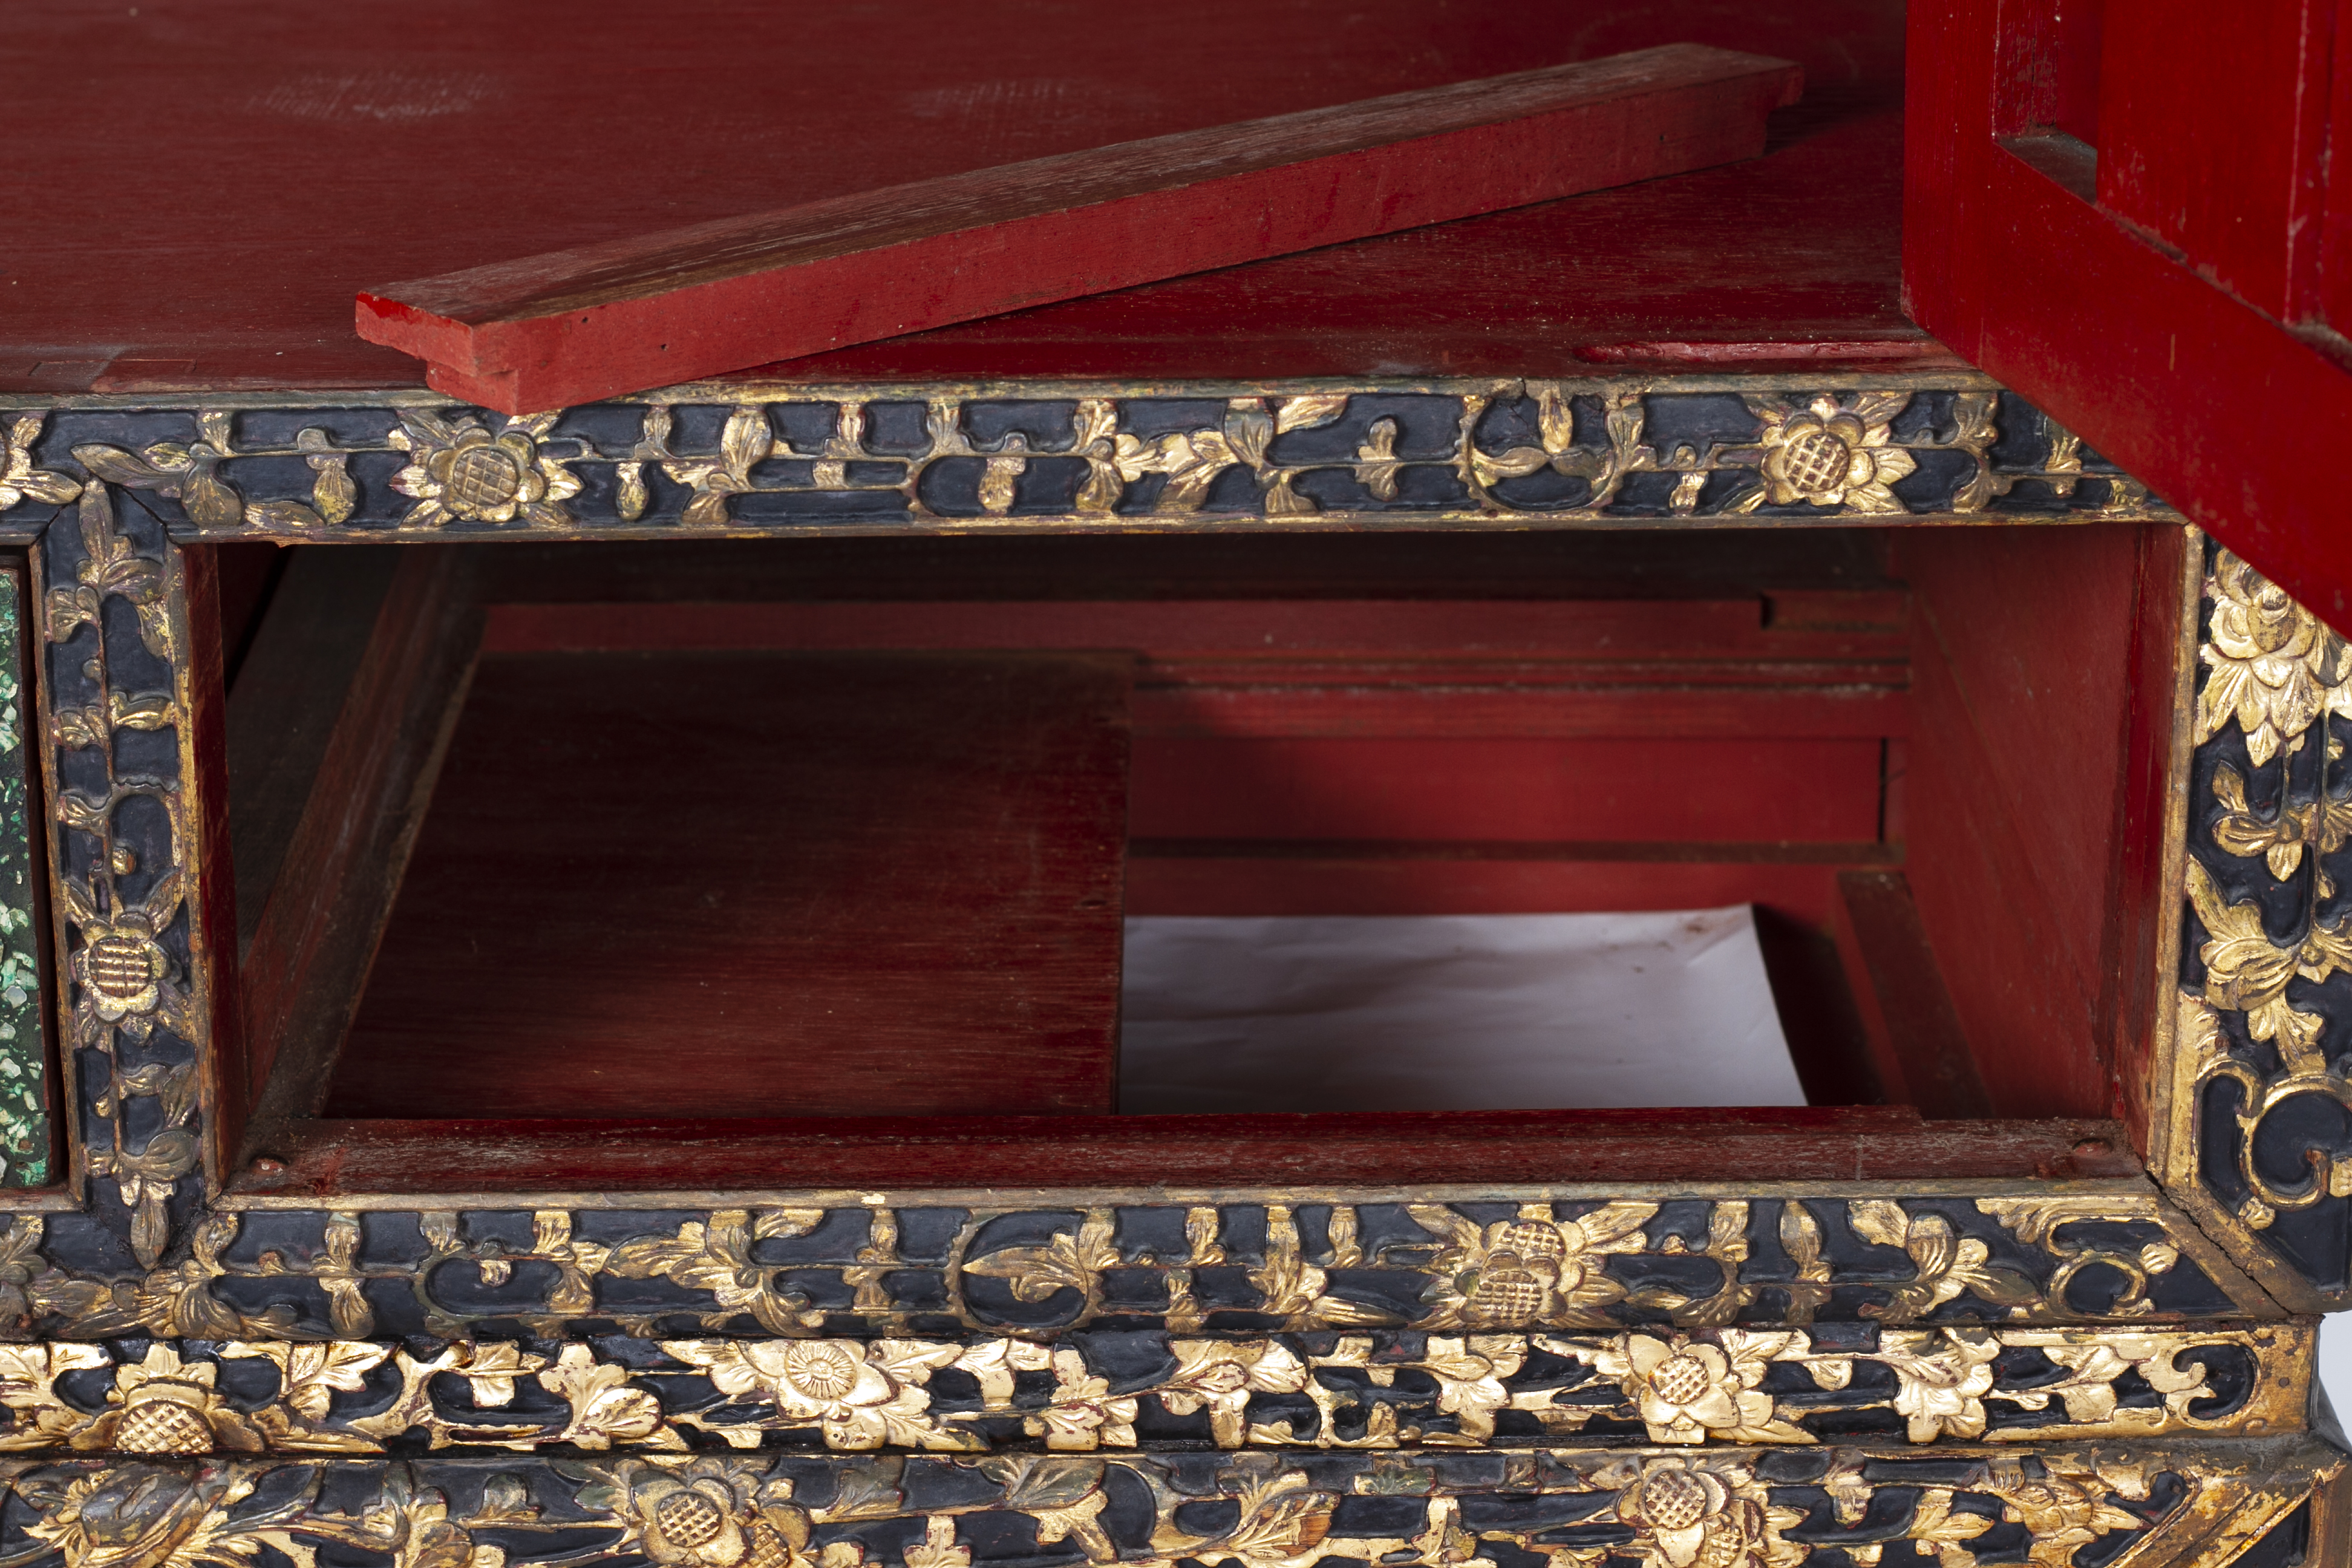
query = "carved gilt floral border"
{"x": 1848, "y": 1507}
{"x": 1356, "y": 1376}
{"x": 747, "y": 459}
{"x": 1129, "y": 1390}
{"x": 2255, "y": 1125}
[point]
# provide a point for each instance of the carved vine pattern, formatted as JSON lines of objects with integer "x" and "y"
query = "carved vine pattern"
{"x": 732, "y": 1271}
{"x": 1807, "y": 452}
{"x": 1840, "y": 1507}
{"x": 114, "y": 627}
{"x": 132, "y": 1022}
{"x": 1367, "y": 1391}
{"x": 2260, "y": 1084}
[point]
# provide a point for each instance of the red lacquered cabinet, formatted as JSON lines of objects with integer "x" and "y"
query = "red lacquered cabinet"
{"x": 577, "y": 956}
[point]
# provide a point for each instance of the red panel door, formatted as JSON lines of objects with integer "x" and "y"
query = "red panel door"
{"x": 2123, "y": 209}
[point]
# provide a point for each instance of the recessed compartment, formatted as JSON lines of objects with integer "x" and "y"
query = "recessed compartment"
{"x": 690, "y": 857}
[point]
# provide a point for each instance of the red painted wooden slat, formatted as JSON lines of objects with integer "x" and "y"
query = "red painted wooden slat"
{"x": 1503, "y": 883}
{"x": 1822, "y": 625}
{"x": 1672, "y": 790}
{"x": 1395, "y": 1149}
{"x": 575, "y": 326}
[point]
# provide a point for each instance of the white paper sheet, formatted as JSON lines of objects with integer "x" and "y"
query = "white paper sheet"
{"x": 1450, "y": 1013}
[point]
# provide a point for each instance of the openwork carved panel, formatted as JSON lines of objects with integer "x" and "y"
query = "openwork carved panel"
{"x": 1846, "y": 1507}
{"x": 2260, "y": 1120}
{"x": 125, "y": 861}
{"x": 1117, "y": 1389}
{"x": 767, "y": 459}
{"x": 2012, "y": 1255}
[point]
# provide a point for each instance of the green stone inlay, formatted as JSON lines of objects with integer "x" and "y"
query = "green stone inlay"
{"x": 24, "y": 1057}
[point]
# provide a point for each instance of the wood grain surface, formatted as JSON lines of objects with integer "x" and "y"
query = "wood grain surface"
{"x": 246, "y": 168}
{"x": 710, "y": 885}
{"x": 2175, "y": 294}
{"x": 568, "y": 327}
{"x": 1834, "y": 1143}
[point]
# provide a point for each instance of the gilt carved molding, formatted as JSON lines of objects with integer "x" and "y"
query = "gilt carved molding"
{"x": 1126, "y": 1390}
{"x": 2257, "y": 1093}
{"x": 723, "y": 459}
{"x": 2104, "y": 1253}
{"x": 153, "y": 1254}
{"x": 2183, "y": 1505}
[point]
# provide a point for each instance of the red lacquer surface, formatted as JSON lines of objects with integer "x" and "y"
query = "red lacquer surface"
{"x": 209, "y": 184}
{"x": 2175, "y": 293}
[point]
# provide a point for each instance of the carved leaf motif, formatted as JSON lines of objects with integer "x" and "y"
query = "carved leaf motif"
{"x": 116, "y": 467}
{"x": 310, "y": 1375}
{"x": 772, "y": 1224}
{"x": 605, "y": 1407}
{"x": 277, "y": 515}
{"x": 1801, "y": 1238}
{"x": 653, "y": 441}
{"x": 867, "y": 1491}
{"x": 1454, "y": 1229}
{"x": 747, "y": 438}
{"x": 939, "y": 1548}
{"x": 1615, "y": 1227}
{"x": 1281, "y": 1522}
{"x": 706, "y": 509}
{"x": 1555, "y": 420}
{"x": 332, "y": 492}
{"x": 1101, "y": 493}
{"x": 1935, "y": 1522}
{"x": 74, "y": 728}
{"x": 630, "y": 496}
{"x": 1878, "y": 1221}
{"x": 1249, "y": 430}
{"x": 1376, "y": 459}
{"x": 1309, "y": 413}
{"x": 1066, "y": 1263}
{"x": 1281, "y": 500}
{"x": 2246, "y": 972}
{"x": 1880, "y": 408}
{"x": 1488, "y": 467}
{"x": 210, "y": 502}
{"x": 999, "y": 478}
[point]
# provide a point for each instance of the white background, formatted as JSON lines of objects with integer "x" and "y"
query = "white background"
{"x": 2335, "y": 1363}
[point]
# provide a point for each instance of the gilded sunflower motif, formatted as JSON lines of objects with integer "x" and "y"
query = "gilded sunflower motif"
{"x": 1686, "y": 1514}
{"x": 1830, "y": 455}
{"x": 2276, "y": 667}
{"x": 706, "y": 1515}
{"x": 860, "y": 1395}
{"x": 1533, "y": 1269}
{"x": 19, "y": 480}
{"x": 120, "y": 966}
{"x": 122, "y": 972}
{"x": 460, "y": 470}
{"x": 1685, "y": 1389}
{"x": 168, "y": 1408}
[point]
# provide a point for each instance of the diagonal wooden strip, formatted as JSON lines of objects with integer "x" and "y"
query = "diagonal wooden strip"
{"x": 600, "y": 320}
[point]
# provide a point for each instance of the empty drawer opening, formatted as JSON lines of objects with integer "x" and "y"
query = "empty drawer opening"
{"x": 693, "y": 834}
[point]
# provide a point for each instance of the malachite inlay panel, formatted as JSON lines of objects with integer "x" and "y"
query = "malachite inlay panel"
{"x": 25, "y": 1140}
